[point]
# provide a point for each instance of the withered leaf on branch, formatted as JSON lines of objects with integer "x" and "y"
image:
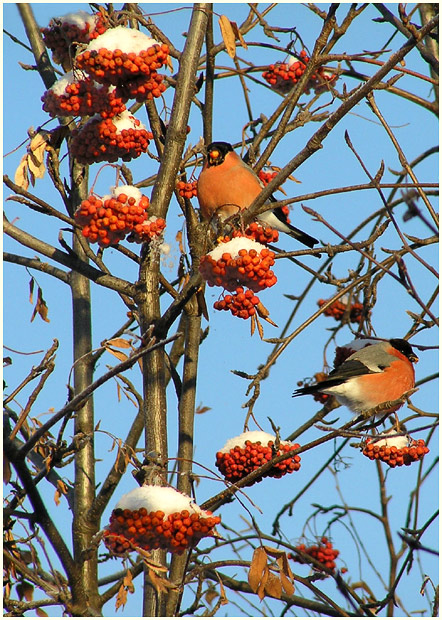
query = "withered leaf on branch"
{"x": 21, "y": 174}
{"x": 32, "y": 166}
{"x": 257, "y": 568}
{"x": 273, "y": 586}
{"x": 62, "y": 489}
{"x": 41, "y": 613}
{"x": 118, "y": 354}
{"x": 25, "y": 590}
{"x": 228, "y": 35}
{"x": 40, "y": 307}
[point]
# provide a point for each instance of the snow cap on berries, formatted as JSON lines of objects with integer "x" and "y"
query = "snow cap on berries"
{"x": 253, "y": 437}
{"x": 154, "y": 498}
{"x": 125, "y": 39}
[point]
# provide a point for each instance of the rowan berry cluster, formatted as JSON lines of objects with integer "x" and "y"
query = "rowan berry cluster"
{"x": 108, "y": 220}
{"x": 338, "y": 308}
{"x": 241, "y": 303}
{"x": 395, "y": 451}
{"x": 81, "y": 97}
{"x": 258, "y": 232}
{"x": 283, "y": 75}
{"x": 266, "y": 177}
{"x": 116, "y": 66}
{"x": 176, "y": 532}
{"x": 323, "y": 552}
{"x": 230, "y": 267}
{"x": 109, "y": 139}
{"x": 239, "y": 461}
{"x": 73, "y": 28}
{"x": 187, "y": 190}
{"x": 125, "y": 62}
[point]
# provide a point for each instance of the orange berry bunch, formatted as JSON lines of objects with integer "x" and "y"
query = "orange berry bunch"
{"x": 395, "y": 451}
{"x": 150, "y": 229}
{"x": 258, "y": 232}
{"x": 239, "y": 262}
{"x": 241, "y": 303}
{"x": 187, "y": 190}
{"x": 108, "y": 220}
{"x": 142, "y": 88}
{"x": 339, "y": 307}
{"x": 63, "y": 32}
{"x": 157, "y": 518}
{"x": 266, "y": 177}
{"x": 243, "y": 454}
{"x": 282, "y": 75}
{"x": 124, "y": 54}
{"x": 109, "y": 139}
{"x": 323, "y": 552}
{"x": 80, "y": 96}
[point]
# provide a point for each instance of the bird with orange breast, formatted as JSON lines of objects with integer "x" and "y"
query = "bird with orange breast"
{"x": 227, "y": 186}
{"x": 373, "y": 375}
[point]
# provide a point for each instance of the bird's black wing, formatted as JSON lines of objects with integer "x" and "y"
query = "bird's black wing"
{"x": 347, "y": 370}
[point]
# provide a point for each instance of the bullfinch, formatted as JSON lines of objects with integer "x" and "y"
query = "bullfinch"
{"x": 228, "y": 185}
{"x": 373, "y": 375}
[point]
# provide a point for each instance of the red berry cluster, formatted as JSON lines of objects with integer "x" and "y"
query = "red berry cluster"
{"x": 258, "y": 232}
{"x": 241, "y": 461}
{"x": 148, "y": 230}
{"x": 62, "y": 32}
{"x": 283, "y": 75}
{"x": 322, "y": 552}
{"x": 83, "y": 97}
{"x": 187, "y": 190}
{"x": 109, "y": 221}
{"x": 116, "y": 67}
{"x": 241, "y": 303}
{"x": 250, "y": 268}
{"x": 103, "y": 140}
{"x": 338, "y": 309}
{"x": 175, "y": 532}
{"x": 142, "y": 88}
{"x": 395, "y": 456}
{"x": 266, "y": 177}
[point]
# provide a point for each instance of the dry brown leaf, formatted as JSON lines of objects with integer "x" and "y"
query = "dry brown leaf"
{"x": 62, "y": 489}
{"x": 31, "y": 290}
{"x": 257, "y": 568}
{"x": 40, "y": 307}
{"x": 264, "y": 313}
{"x": 161, "y": 584}
{"x": 228, "y": 35}
{"x": 273, "y": 587}
{"x": 118, "y": 354}
{"x": 36, "y": 153}
{"x": 287, "y": 585}
{"x": 238, "y": 35}
{"x": 261, "y": 591}
{"x": 21, "y": 174}
{"x": 25, "y": 590}
{"x": 127, "y": 582}
{"x": 121, "y": 599}
{"x": 201, "y": 409}
{"x": 121, "y": 343}
{"x": 211, "y": 595}
{"x": 41, "y": 612}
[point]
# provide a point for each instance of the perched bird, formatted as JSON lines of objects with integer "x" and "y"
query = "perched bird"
{"x": 227, "y": 185}
{"x": 373, "y": 375}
